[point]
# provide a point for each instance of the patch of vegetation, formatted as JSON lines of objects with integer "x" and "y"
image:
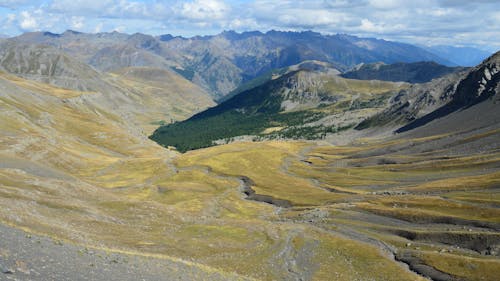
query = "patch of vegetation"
{"x": 377, "y": 101}
{"x": 303, "y": 132}
{"x": 202, "y": 132}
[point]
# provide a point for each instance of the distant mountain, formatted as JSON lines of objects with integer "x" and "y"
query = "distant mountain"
{"x": 416, "y": 72}
{"x": 251, "y": 54}
{"x": 463, "y": 56}
{"x": 307, "y": 101}
{"x": 223, "y": 62}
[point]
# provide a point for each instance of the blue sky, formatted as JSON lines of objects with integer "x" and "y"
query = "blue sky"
{"x": 427, "y": 22}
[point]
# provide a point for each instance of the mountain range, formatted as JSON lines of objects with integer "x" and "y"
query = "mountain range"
{"x": 220, "y": 63}
{"x": 252, "y": 156}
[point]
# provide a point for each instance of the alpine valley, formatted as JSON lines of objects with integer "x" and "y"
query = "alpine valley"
{"x": 246, "y": 156}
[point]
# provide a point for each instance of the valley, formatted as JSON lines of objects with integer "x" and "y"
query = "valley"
{"x": 122, "y": 165}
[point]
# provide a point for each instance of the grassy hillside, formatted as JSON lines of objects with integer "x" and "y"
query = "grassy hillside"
{"x": 157, "y": 96}
{"x": 76, "y": 173}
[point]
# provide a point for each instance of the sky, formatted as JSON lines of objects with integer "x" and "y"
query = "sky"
{"x": 426, "y": 22}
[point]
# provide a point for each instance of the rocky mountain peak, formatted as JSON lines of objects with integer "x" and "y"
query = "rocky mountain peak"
{"x": 480, "y": 83}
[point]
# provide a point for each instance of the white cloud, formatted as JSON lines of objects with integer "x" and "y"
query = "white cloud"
{"x": 106, "y": 8}
{"x": 120, "y": 28}
{"x": 28, "y": 21}
{"x": 77, "y": 22}
{"x": 368, "y": 26}
{"x": 98, "y": 27}
{"x": 203, "y": 10}
{"x": 243, "y": 24}
{"x": 80, "y": 7}
{"x": 310, "y": 18}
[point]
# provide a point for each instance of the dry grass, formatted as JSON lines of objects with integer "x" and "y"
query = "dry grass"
{"x": 466, "y": 268}
{"x": 114, "y": 189}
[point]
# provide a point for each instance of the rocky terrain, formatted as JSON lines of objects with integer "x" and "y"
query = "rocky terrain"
{"x": 27, "y": 256}
{"x": 424, "y": 103}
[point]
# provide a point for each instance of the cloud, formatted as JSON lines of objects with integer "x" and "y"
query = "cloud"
{"x": 385, "y": 4}
{"x": 104, "y": 8}
{"x": 98, "y": 27}
{"x": 11, "y": 18}
{"x": 77, "y": 22}
{"x": 28, "y": 21}
{"x": 203, "y": 10}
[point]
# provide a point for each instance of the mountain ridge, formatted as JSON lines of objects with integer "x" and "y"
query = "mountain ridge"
{"x": 426, "y": 102}
{"x": 220, "y": 63}
{"x": 417, "y": 72}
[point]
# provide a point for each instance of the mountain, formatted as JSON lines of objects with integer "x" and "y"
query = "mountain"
{"x": 305, "y": 104}
{"x": 251, "y": 54}
{"x": 223, "y": 62}
{"x": 146, "y": 97}
{"x": 417, "y": 72}
{"x": 50, "y": 65}
{"x": 464, "y": 56}
{"x": 479, "y": 86}
{"x": 306, "y": 101}
{"x": 424, "y": 103}
{"x": 275, "y": 73}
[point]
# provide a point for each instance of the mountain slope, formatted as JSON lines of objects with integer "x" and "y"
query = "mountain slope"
{"x": 49, "y": 65}
{"x": 157, "y": 96}
{"x": 298, "y": 104}
{"x": 424, "y": 103}
{"x": 417, "y": 72}
{"x": 481, "y": 84}
{"x": 146, "y": 97}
